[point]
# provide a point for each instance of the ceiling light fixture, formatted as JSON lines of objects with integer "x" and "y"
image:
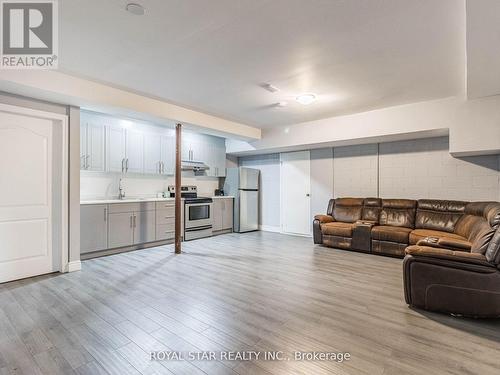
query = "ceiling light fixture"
{"x": 306, "y": 99}
{"x": 136, "y": 9}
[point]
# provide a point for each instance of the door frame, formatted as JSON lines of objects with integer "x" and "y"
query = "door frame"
{"x": 62, "y": 121}
{"x": 282, "y": 196}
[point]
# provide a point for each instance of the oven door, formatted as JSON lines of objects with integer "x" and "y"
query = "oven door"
{"x": 198, "y": 215}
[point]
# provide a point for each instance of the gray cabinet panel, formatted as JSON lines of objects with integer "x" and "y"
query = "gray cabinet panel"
{"x": 93, "y": 228}
{"x": 144, "y": 227}
{"x": 121, "y": 231}
{"x": 131, "y": 207}
{"x": 227, "y": 213}
{"x": 217, "y": 214}
{"x": 222, "y": 212}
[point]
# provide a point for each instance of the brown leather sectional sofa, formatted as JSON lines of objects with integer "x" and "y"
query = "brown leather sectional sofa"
{"x": 452, "y": 248}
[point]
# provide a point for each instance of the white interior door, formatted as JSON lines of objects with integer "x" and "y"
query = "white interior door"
{"x": 29, "y": 244}
{"x": 295, "y": 193}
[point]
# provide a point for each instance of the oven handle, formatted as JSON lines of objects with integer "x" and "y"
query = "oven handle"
{"x": 198, "y": 204}
{"x": 199, "y": 228}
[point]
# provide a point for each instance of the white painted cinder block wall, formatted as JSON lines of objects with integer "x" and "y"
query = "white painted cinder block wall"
{"x": 415, "y": 169}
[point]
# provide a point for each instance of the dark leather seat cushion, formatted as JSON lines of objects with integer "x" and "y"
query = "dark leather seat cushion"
{"x": 338, "y": 229}
{"x": 419, "y": 234}
{"x": 392, "y": 234}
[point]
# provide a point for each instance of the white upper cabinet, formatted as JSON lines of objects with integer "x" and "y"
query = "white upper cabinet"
{"x": 96, "y": 137}
{"x": 167, "y": 154}
{"x": 108, "y": 144}
{"x": 115, "y": 150}
{"x": 219, "y": 157}
{"x": 134, "y": 152}
{"x": 205, "y": 148}
{"x": 92, "y": 147}
{"x": 152, "y": 154}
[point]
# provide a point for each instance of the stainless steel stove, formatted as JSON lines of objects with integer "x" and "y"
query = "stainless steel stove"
{"x": 197, "y": 213}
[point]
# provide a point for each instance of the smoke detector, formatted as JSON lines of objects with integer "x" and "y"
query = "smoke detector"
{"x": 136, "y": 9}
{"x": 270, "y": 88}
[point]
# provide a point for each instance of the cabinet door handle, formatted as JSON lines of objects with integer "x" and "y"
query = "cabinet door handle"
{"x": 126, "y": 165}
{"x": 134, "y": 222}
{"x": 123, "y": 161}
{"x": 87, "y": 161}
{"x": 105, "y": 214}
{"x": 131, "y": 223}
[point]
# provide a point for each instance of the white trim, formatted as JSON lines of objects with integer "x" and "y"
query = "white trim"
{"x": 270, "y": 228}
{"x": 63, "y": 119}
{"x": 74, "y": 266}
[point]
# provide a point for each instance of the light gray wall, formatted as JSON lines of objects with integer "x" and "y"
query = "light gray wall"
{"x": 74, "y": 184}
{"x": 414, "y": 169}
{"x": 269, "y": 166}
{"x": 74, "y": 161}
{"x": 424, "y": 169}
{"x": 355, "y": 171}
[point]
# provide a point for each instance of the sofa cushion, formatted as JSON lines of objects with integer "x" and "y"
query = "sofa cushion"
{"x": 371, "y": 209}
{"x": 477, "y": 230}
{"x": 398, "y": 213}
{"x": 347, "y": 210}
{"x": 419, "y": 234}
{"x": 338, "y": 229}
{"x": 392, "y": 234}
{"x": 439, "y": 215}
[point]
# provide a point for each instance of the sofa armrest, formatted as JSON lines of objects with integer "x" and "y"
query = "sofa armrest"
{"x": 446, "y": 243}
{"x": 324, "y": 218}
{"x": 445, "y": 254}
{"x": 454, "y": 243}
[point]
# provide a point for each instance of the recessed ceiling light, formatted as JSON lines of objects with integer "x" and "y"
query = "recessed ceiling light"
{"x": 306, "y": 99}
{"x": 136, "y": 9}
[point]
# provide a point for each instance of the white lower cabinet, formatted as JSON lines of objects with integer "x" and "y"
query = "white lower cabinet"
{"x": 121, "y": 231}
{"x": 144, "y": 227}
{"x": 93, "y": 228}
{"x": 165, "y": 220}
{"x": 222, "y": 213}
{"x": 117, "y": 225}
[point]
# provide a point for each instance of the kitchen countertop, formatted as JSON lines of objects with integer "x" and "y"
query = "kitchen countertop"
{"x": 223, "y": 197}
{"x": 135, "y": 200}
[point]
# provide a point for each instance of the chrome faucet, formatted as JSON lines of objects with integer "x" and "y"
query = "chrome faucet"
{"x": 121, "y": 195}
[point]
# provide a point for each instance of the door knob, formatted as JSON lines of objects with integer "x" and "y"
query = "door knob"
{"x": 308, "y": 195}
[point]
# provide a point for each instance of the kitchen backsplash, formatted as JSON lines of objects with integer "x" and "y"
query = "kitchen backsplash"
{"x": 104, "y": 185}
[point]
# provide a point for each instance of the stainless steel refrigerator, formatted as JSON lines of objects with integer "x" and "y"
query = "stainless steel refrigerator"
{"x": 243, "y": 184}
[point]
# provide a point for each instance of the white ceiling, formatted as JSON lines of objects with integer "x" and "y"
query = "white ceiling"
{"x": 213, "y": 55}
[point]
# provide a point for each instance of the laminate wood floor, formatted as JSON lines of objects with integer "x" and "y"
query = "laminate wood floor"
{"x": 250, "y": 292}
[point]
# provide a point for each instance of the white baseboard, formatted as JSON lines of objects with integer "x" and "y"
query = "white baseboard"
{"x": 269, "y": 228}
{"x": 74, "y": 266}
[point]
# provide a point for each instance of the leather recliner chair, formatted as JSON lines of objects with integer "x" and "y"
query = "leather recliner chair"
{"x": 463, "y": 279}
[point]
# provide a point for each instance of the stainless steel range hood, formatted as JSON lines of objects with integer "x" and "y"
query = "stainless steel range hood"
{"x": 195, "y": 166}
